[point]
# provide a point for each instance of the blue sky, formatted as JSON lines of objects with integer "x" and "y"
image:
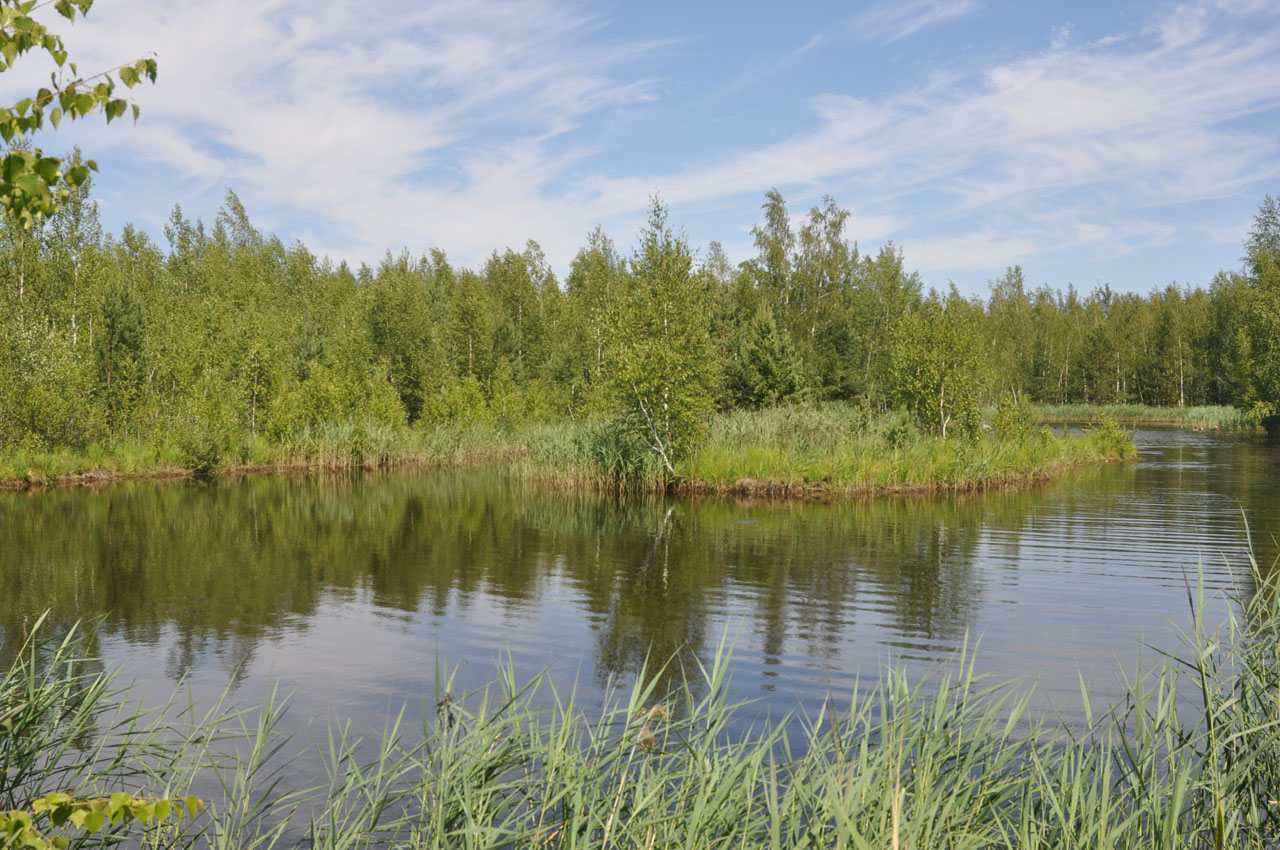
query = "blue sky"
{"x": 1126, "y": 143}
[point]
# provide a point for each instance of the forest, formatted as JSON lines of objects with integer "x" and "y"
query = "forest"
{"x": 226, "y": 338}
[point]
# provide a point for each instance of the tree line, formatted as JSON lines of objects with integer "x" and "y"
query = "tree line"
{"x": 227, "y": 335}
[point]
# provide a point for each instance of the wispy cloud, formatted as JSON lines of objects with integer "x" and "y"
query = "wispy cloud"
{"x": 1020, "y": 239}
{"x": 1128, "y": 126}
{"x": 469, "y": 124}
{"x": 895, "y": 20}
{"x": 384, "y": 123}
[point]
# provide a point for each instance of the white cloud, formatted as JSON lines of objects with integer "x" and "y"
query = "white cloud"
{"x": 468, "y": 124}
{"x": 1059, "y": 232}
{"x": 1129, "y": 126}
{"x": 395, "y": 122}
{"x": 898, "y": 19}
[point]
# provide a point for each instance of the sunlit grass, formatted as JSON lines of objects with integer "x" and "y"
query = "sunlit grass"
{"x": 1207, "y": 416}
{"x": 837, "y": 448}
{"x": 791, "y": 450}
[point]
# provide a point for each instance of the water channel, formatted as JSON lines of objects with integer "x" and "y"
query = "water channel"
{"x": 351, "y": 592}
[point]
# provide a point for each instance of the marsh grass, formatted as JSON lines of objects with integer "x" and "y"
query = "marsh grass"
{"x": 1189, "y": 757}
{"x": 833, "y": 449}
{"x": 1207, "y": 416}
{"x": 67, "y": 725}
{"x": 839, "y": 449}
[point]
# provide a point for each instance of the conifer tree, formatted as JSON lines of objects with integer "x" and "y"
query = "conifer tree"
{"x": 765, "y": 370}
{"x": 118, "y": 353}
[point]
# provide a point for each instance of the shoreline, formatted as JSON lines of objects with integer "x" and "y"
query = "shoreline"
{"x": 1197, "y": 418}
{"x": 983, "y": 760}
{"x": 767, "y": 489}
{"x": 777, "y": 490}
{"x": 789, "y": 452}
{"x": 1149, "y": 420}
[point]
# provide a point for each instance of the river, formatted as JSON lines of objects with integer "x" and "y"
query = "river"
{"x": 351, "y": 592}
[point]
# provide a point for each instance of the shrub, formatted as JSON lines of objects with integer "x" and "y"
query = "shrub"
{"x": 1014, "y": 420}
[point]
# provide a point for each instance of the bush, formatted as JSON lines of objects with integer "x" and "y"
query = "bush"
{"x": 1110, "y": 439}
{"x": 1014, "y": 420}
{"x": 201, "y": 450}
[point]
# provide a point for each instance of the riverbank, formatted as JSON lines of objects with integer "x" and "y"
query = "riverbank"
{"x": 787, "y": 452}
{"x": 954, "y": 759}
{"x": 834, "y": 451}
{"x": 1210, "y": 417}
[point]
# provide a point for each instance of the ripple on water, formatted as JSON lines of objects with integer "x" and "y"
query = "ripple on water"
{"x": 353, "y": 593}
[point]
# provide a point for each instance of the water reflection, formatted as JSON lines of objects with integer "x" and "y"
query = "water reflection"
{"x": 351, "y": 589}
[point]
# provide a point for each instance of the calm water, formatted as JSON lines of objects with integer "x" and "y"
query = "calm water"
{"x": 352, "y": 592}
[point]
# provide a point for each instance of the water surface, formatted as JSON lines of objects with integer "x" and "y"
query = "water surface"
{"x": 352, "y": 592}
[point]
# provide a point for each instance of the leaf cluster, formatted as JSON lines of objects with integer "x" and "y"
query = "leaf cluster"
{"x": 23, "y": 827}
{"x": 33, "y": 185}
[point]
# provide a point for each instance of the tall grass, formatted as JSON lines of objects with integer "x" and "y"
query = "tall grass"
{"x": 833, "y": 449}
{"x": 838, "y": 449}
{"x": 1190, "y": 757}
{"x": 67, "y": 725}
{"x": 1205, "y": 416}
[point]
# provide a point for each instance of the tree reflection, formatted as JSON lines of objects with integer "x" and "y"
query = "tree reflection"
{"x": 216, "y": 568}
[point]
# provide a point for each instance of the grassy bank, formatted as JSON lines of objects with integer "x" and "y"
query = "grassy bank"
{"x": 1190, "y": 757}
{"x": 831, "y": 450}
{"x": 836, "y": 450}
{"x": 1211, "y": 416}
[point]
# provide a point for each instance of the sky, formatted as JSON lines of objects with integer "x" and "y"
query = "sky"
{"x": 1119, "y": 143}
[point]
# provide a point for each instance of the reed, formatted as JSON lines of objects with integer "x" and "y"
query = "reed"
{"x": 827, "y": 450}
{"x": 1189, "y": 757}
{"x": 840, "y": 450}
{"x": 1205, "y": 416}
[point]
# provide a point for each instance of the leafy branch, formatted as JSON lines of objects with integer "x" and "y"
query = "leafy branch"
{"x": 20, "y": 827}
{"x": 32, "y": 184}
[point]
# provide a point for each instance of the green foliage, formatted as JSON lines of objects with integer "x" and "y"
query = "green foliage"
{"x": 841, "y": 449}
{"x": 119, "y": 354}
{"x": 1261, "y": 413}
{"x": 33, "y": 185}
{"x": 1264, "y": 319}
{"x": 201, "y": 449}
{"x": 1015, "y": 420}
{"x": 937, "y": 366}
{"x": 1264, "y": 235}
{"x": 899, "y": 432}
{"x": 775, "y": 243}
{"x": 834, "y": 448}
{"x": 459, "y": 401}
{"x": 664, "y": 376}
{"x": 403, "y": 334}
{"x": 583, "y": 349}
{"x": 44, "y": 390}
{"x": 24, "y": 828}
{"x": 765, "y": 370}
{"x": 619, "y": 454}
{"x": 1214, "y": 417}
{"x": 885, "y": 297}
{"x": 231, "y": 347}
{"x": 64, "y": 738}
{"x": 1110, "y": 439}
{"x": 471, "y": 326}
